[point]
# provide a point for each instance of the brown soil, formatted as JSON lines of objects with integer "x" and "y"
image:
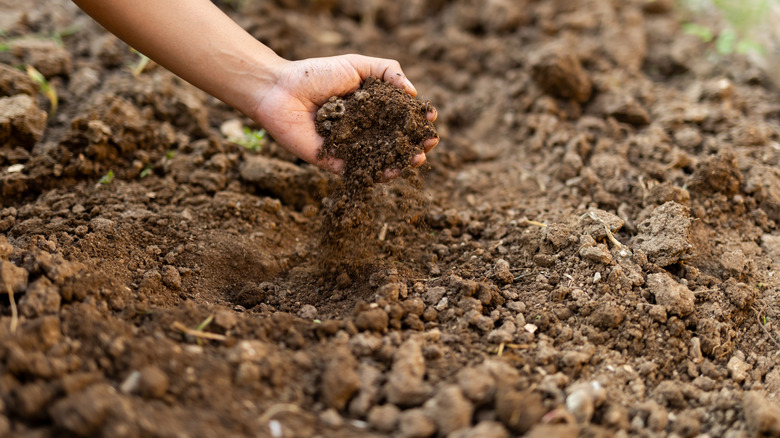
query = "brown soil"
{"x": 375, "y": 129}
{"x": 597, "y": 256}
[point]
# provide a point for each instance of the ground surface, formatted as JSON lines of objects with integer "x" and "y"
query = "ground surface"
{"x": 595, "y": 256}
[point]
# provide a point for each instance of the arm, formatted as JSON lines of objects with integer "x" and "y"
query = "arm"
{"x": 202, "y": 45}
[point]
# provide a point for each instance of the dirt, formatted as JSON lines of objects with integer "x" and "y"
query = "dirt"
{"x": 596, "y": 254}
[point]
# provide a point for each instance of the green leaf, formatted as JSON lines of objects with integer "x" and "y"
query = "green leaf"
{"x": 726, "y": 42}
{"x": 703, "y": 32}
{"x": 107, "y": 178}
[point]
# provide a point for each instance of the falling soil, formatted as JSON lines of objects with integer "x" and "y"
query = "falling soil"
{"x": 376, "y": 129}
{"x": 597, "y": 254}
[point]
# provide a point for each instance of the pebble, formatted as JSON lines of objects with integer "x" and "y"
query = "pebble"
{"x": 225, "y": 319}
{"x": 331, "y": 418}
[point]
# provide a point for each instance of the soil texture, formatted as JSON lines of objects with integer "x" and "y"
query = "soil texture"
{"x": 592, "y": 252}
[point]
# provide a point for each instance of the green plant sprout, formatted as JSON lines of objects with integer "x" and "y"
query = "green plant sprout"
{"x": 140, "y": 65}
{"x": 145, "y": 172}
{"x": 107, "y": 178}
{"x": 743, "y": 18}
{"x": 45, "y": 87}
{"x": 254, "y": 140}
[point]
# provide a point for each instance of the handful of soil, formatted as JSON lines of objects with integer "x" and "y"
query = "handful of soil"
{"x": 373, "y": 129}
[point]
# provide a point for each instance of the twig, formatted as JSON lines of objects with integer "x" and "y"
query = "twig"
{"x": 200, "y": 334}
{"x": 14, "y": 312}
{"x": 606, "y": 228}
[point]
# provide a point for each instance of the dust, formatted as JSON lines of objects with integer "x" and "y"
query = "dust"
{"x": 376, "y": 129}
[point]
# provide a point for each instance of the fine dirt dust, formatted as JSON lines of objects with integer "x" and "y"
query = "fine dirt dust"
{"x": 596, "y": 254}
{"x": 375, "y": 129}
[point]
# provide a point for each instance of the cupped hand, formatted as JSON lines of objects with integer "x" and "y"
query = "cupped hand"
{"x": 288, "y": 107}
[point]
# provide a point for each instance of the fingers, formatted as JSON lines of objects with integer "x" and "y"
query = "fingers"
{"x": 430, "y": 144}
{"x": 432, "y": 114}
{"x": 387, "y": 70}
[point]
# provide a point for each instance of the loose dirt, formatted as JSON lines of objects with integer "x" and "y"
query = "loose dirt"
{"x": 596, "y": 253}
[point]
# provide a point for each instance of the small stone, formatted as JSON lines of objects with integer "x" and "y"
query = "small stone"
{"x": 247, "y": 373}
{"x": 433, "y": 295}
{"x": 153, "y": 382}
{"x": 384, "y": 418}
{"x": 415, "y": 424}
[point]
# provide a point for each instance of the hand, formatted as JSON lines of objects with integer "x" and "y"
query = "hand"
{"x": 288, "y": 106}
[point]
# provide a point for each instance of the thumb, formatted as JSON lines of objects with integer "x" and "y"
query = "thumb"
{"x": 388, "y": 70}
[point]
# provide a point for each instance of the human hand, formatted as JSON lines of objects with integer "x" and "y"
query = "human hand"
{"x": 288, "y": 106}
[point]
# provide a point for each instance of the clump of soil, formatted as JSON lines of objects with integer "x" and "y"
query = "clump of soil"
{"x": 375, "y": 129}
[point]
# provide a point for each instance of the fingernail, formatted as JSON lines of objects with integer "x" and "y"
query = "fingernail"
{"x": 410, "y": 87}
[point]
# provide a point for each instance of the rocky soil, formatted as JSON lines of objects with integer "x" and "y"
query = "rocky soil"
{"x": 594, "y": 254}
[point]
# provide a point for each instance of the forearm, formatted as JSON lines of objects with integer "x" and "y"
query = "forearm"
{"x": 194, "y": 40}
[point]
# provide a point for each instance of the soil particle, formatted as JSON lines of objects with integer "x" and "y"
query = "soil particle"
{"x": 293, "y": 185}
{"x": 718, "y": 174}
{"x": 372, "y": 319}
{"x": 21, "y": 121}
{"x": 738, "y": 368}
{"x": 12, "y": 278}
{"x": 519, "y": 410}
{"x": 83, "y": 413}
{"x": 673, "y": 296}
{"x": 415, "y": 423}
{"x": 665, "y": 237}
{"x": 558, "y": 72}
{"x": 153, "y": 382}
{"x": 48, "y": 57}
{"x": 384, "y": 418}
{"x": 171, "y": 277}
{"x": 449, "y": 409}
{"x": 762, "y": 415}
{"x": 13, "y": 82}
{"x": 340, "y": 380}
{"x": 763, "y": 182}
{"x": 41, "y": 298}
{"x": 370, "y": 378}
{"x": 405, "y": 386}
{"x": 485, "y": 429}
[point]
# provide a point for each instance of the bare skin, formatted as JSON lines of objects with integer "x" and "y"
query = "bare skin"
{"x": 202, "y": 45}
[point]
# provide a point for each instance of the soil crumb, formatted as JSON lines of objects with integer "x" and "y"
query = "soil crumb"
{"x": 375, "y": 129}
